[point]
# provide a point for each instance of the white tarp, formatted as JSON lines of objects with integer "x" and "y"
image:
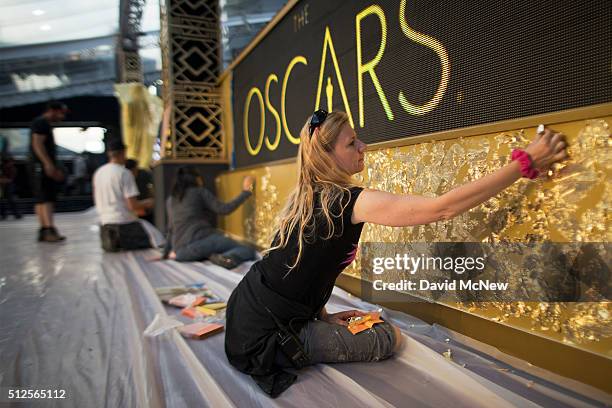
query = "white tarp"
{"x": 73, "y": 318}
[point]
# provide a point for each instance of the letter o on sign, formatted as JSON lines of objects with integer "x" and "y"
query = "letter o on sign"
{"x": 253, "y": 151}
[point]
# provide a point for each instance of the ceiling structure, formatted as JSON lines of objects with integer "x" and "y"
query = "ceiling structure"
{"x": 26, "y": 22}
{"x": 241, "y": 20}
{"x": 55, "y": 49}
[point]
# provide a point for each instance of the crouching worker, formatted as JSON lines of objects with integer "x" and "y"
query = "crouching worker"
{"x": 192, "y": 210}
{"x": 115, "y": 197}
{"x": 276, "y": 316}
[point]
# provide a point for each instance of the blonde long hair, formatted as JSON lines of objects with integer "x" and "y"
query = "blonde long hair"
{"x": 317, "y": 173}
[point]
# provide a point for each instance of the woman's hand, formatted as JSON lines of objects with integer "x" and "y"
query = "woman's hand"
{"x": 247, "y": 183}
{"x": 547, "y": 148}
{"x": 341, "y": 318}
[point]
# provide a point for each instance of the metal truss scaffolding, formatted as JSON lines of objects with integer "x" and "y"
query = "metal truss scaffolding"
{"x": 191, "y": 60}
{"x": 129, "y": 66}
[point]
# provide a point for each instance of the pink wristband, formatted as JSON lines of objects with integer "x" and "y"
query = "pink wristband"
{"x": 527, "y": 169}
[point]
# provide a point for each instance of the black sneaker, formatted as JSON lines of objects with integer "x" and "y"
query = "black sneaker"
{"x": 60, "y": 237}
{"x": 223, "y": 261}
{"x": 50, "y": 235}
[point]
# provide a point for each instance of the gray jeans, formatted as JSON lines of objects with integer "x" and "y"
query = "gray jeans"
{"x": 214, "y": 244}
{"x": 331, "y": 343}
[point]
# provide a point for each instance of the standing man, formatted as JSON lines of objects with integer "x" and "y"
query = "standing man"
{"x": 116, "y": 199}
{"x": 144, "y": 182}
{"x": 46, "y": 174}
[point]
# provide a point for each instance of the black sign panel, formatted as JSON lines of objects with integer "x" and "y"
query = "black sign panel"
{"x": 402, "y": 68}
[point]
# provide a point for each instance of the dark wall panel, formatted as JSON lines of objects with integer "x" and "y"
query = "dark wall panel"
{"x": 490, "y": 61}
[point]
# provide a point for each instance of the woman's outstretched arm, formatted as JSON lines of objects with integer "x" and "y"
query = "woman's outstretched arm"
{"x": 394, "y": 210}
{"x": 219, "y": 207}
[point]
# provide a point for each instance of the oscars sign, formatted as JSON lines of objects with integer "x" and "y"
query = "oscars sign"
{"x": 403, "y": 68}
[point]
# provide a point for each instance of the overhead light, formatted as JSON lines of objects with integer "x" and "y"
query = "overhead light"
{"x": 45, "y": 27}
{"x": 38, "y": 12}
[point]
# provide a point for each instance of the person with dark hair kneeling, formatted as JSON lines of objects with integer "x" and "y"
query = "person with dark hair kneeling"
{"x": 144, "y": 182}
{"x": 191, "y": 211}
{"x": 115, "y": 197}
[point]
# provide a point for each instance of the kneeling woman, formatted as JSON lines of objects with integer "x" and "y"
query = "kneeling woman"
{"x": 191, "y": 210}
{"x": 276, "y": 316}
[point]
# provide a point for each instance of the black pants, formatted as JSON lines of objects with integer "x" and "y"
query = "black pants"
{"x": 44, "y": 189}
{"x": 7, "y": 199}
{"x": 127, "y": 237}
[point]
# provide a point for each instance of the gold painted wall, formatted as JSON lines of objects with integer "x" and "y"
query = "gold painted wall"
{"x": 571, "y": 206}
{"x": 254, "y": 220}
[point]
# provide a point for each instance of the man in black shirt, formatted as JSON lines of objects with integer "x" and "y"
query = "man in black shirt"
{"x": 144, "y": 182}
{"x": 45, "y": 171}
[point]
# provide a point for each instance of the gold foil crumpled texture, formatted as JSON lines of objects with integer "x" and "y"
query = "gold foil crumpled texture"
{"x": 572, "y": 205}
{"x": 569, "y": 204}
{"x": 259, "y": 227}
{"x": 584, "y": 323}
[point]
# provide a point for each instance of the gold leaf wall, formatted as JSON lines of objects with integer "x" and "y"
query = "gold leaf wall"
{"x": 571, "y": 204}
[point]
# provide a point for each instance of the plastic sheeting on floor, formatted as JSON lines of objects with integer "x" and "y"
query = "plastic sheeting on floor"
{"x": 72, "y": 318}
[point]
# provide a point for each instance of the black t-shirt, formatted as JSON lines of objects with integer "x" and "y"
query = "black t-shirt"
{"x": 293, "y": 297}
{"x": 312, "y": 280}
{"x": 41, "y": 126}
